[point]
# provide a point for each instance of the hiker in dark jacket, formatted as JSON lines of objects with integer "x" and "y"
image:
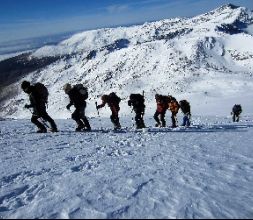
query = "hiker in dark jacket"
{"x": 113, "y": 102}
{"x": 137, "y": 102}
{"x": 236, "y": 111}
{"x": 162, "y": 106}
{"x": 186, "y": 109}
{"x": 77, "y": 99}
{"x": 39, "y": 108}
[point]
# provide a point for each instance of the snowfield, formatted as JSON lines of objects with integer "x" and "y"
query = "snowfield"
{"x": 201, "y": 172}
{"x": 205, "y": 171}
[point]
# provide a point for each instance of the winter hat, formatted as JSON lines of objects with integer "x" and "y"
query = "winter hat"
{"x": 25, "y": 85}
{"x": 104, "y": 98}
{"x": 67, "y": 87}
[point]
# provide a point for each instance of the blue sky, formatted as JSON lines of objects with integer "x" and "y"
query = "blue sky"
{"x": 20, "y": 19}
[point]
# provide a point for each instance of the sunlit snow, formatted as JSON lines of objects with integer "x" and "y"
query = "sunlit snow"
{"x": 204, "y": 171}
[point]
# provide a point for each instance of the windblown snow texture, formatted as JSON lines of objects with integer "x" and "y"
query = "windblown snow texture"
{"x": 200, "y": 172}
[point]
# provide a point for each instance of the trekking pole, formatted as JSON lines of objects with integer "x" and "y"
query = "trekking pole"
{"x": 98, "y": 111}
{"x": 44, "y": 122}
{"x": 132, "y": 118}
{"x": 41, "y": 119}
{"x": 176, "y": 120}
{"x": 142, "y": 114}
{"x": 97, "y": 108}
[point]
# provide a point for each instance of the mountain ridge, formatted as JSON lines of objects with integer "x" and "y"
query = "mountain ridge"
{"x": 168, "y": 56}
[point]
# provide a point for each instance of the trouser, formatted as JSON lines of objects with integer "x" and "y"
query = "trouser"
{"x": 115, "y": 116}
{"x": 115, "y": 121}
{"x": 186, "y": 120}
{"x": 44, "y": 115}
{"x": 174, "y": 119}
{"x": 162, "y": 118}
{"x": 139, "y": 119}
{"x": 80, "y": 118}
{"x": 235, "y": 117}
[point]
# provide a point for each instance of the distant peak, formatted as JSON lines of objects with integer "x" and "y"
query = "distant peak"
{"x": 230, "y": 6}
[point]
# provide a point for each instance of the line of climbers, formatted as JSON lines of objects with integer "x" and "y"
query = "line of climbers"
{"x": 38, "y": 95}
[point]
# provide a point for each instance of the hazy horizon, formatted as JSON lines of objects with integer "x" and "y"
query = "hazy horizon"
{"x": 30, "y": 19}
{"x": 28, "y": 24}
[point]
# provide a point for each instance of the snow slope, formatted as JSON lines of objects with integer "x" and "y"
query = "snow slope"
{"x": 206, "y": 59}
{"x": 204, "y": 171}
{"x": 6, "y": 56}
{"x": 194, "y": 173}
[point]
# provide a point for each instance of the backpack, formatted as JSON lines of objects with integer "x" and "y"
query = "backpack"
{"x": 237, "y": 108}
{"x": 185, "y": 106}
{"x": 173, "y": 105}
{"x": 165, "y": 99}
{"x": 171, "y": 98}
{"x": 42, "y": 91}
{"x": 137, "y": 99}
{"x": 82, "y": 90}
{"x": 114, "y": 98}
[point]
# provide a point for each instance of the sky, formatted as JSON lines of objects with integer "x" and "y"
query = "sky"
{"x": 22, "y": 19}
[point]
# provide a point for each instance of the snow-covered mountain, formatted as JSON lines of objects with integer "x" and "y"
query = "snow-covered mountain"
{"x": 203, "y": 171}
{"x": 206, "y": 59}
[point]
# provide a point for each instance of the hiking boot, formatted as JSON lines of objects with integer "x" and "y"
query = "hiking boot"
{"x": 157, "y": 125}
{"x": 117, "y": 128}
{"x": 143, "y": 126}
{"x": 86, "y": 129}
{"x": 116, "y": 125}
{"x": 139, "y": 127}
{"x": 42, "y": 131}
{"x": 54, "y": 130}
{"x": 78, "y": 129}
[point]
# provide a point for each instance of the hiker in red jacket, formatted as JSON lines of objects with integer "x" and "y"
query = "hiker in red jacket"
{"x": 162, "y": 106}
{"x": 113, "y": 102}
{"x": 174, "y": 108}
